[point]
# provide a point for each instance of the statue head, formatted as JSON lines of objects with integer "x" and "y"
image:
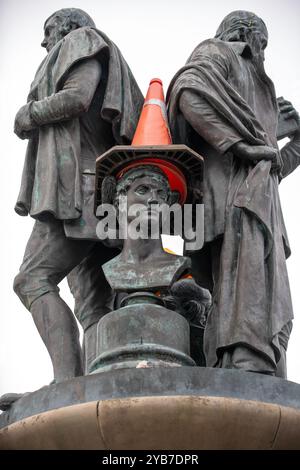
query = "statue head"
{"x": 142, "y": 191}
{"x": 148, "y": 187}
{"x": 61, "y": 23}
{"x": 141, "y": 197}
{"x": 244, "y": 26}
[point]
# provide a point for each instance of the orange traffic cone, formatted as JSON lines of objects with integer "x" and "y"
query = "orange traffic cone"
{"x": 152, "y": 145}
{"x": 152, "y": 128}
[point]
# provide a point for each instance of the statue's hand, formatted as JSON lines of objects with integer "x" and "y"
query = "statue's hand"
{"x": 24, "y": 124}
{"x": 287, "y": 110}
{"x": 253, "y": 153}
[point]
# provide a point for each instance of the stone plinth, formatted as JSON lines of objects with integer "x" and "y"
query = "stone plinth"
{"x": 158, "y": 408}
{"x": 140, "y": 333}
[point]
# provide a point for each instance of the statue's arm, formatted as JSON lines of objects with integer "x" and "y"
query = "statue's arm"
{"x": 72, "y": 100}
{"x": 206, "y": 121}
{"x": 290, "y": 153}
{"x": 213, "y": 128}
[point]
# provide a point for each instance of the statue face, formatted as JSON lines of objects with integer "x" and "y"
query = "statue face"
{"x": 52, "y": 33}
{"x": 246, "y": 27}
{"x": 149, "y": 192}
{"x": 258, "y": 41}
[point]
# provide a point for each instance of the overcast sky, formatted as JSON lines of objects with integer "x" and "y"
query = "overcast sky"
{"x": 156, "y": 37}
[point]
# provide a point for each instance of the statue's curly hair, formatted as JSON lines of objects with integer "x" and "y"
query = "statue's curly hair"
{"x": 111, "y": 189}
{"x": 72, "y": 18}
{"x": 131, "y": 175}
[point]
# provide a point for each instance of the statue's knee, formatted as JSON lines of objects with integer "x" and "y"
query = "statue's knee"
{"x": 29, "y": 287}
{"x": 22, "y": 287}
{"x": 19, "y": 284}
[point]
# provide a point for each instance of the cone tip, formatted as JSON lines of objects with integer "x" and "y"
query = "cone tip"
{"x": 156, "y": 80}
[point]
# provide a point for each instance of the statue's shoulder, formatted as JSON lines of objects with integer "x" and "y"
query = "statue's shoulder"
{"x": 85, "y": 38}
{"x": 159, "y": 272}
{"x": 214, "y": 45}
{"x": 78, "y": 45}
{"x": 214, "y": 49}
{"x": 221, "y": 52}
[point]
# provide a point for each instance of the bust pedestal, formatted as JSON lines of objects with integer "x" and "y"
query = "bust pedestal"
{"x": 142, "y": 333}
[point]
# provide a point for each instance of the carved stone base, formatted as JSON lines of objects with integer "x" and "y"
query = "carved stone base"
{"x": 142, "y": 335}
{"x": 159, "y": 408}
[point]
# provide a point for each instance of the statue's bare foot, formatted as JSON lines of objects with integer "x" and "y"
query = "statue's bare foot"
{"x": 253, "y": 152}
{"x": 8, "y": 399}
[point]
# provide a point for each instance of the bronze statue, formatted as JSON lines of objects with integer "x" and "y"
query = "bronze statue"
{"x": 76, "y": 110}
{"x": 223, "y": 105}
{"x": 143, "y": 264}
{"x": 154, "y": 286}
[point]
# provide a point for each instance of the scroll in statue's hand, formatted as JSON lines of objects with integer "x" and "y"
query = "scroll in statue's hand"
{"x": 287, "y": 109}
{"x": 289, "y": 119}
{"x": 24, "y": 124}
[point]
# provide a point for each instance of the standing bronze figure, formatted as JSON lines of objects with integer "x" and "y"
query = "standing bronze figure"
{"x": 76, "y": 110}
{"x": 223, "y": 105}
